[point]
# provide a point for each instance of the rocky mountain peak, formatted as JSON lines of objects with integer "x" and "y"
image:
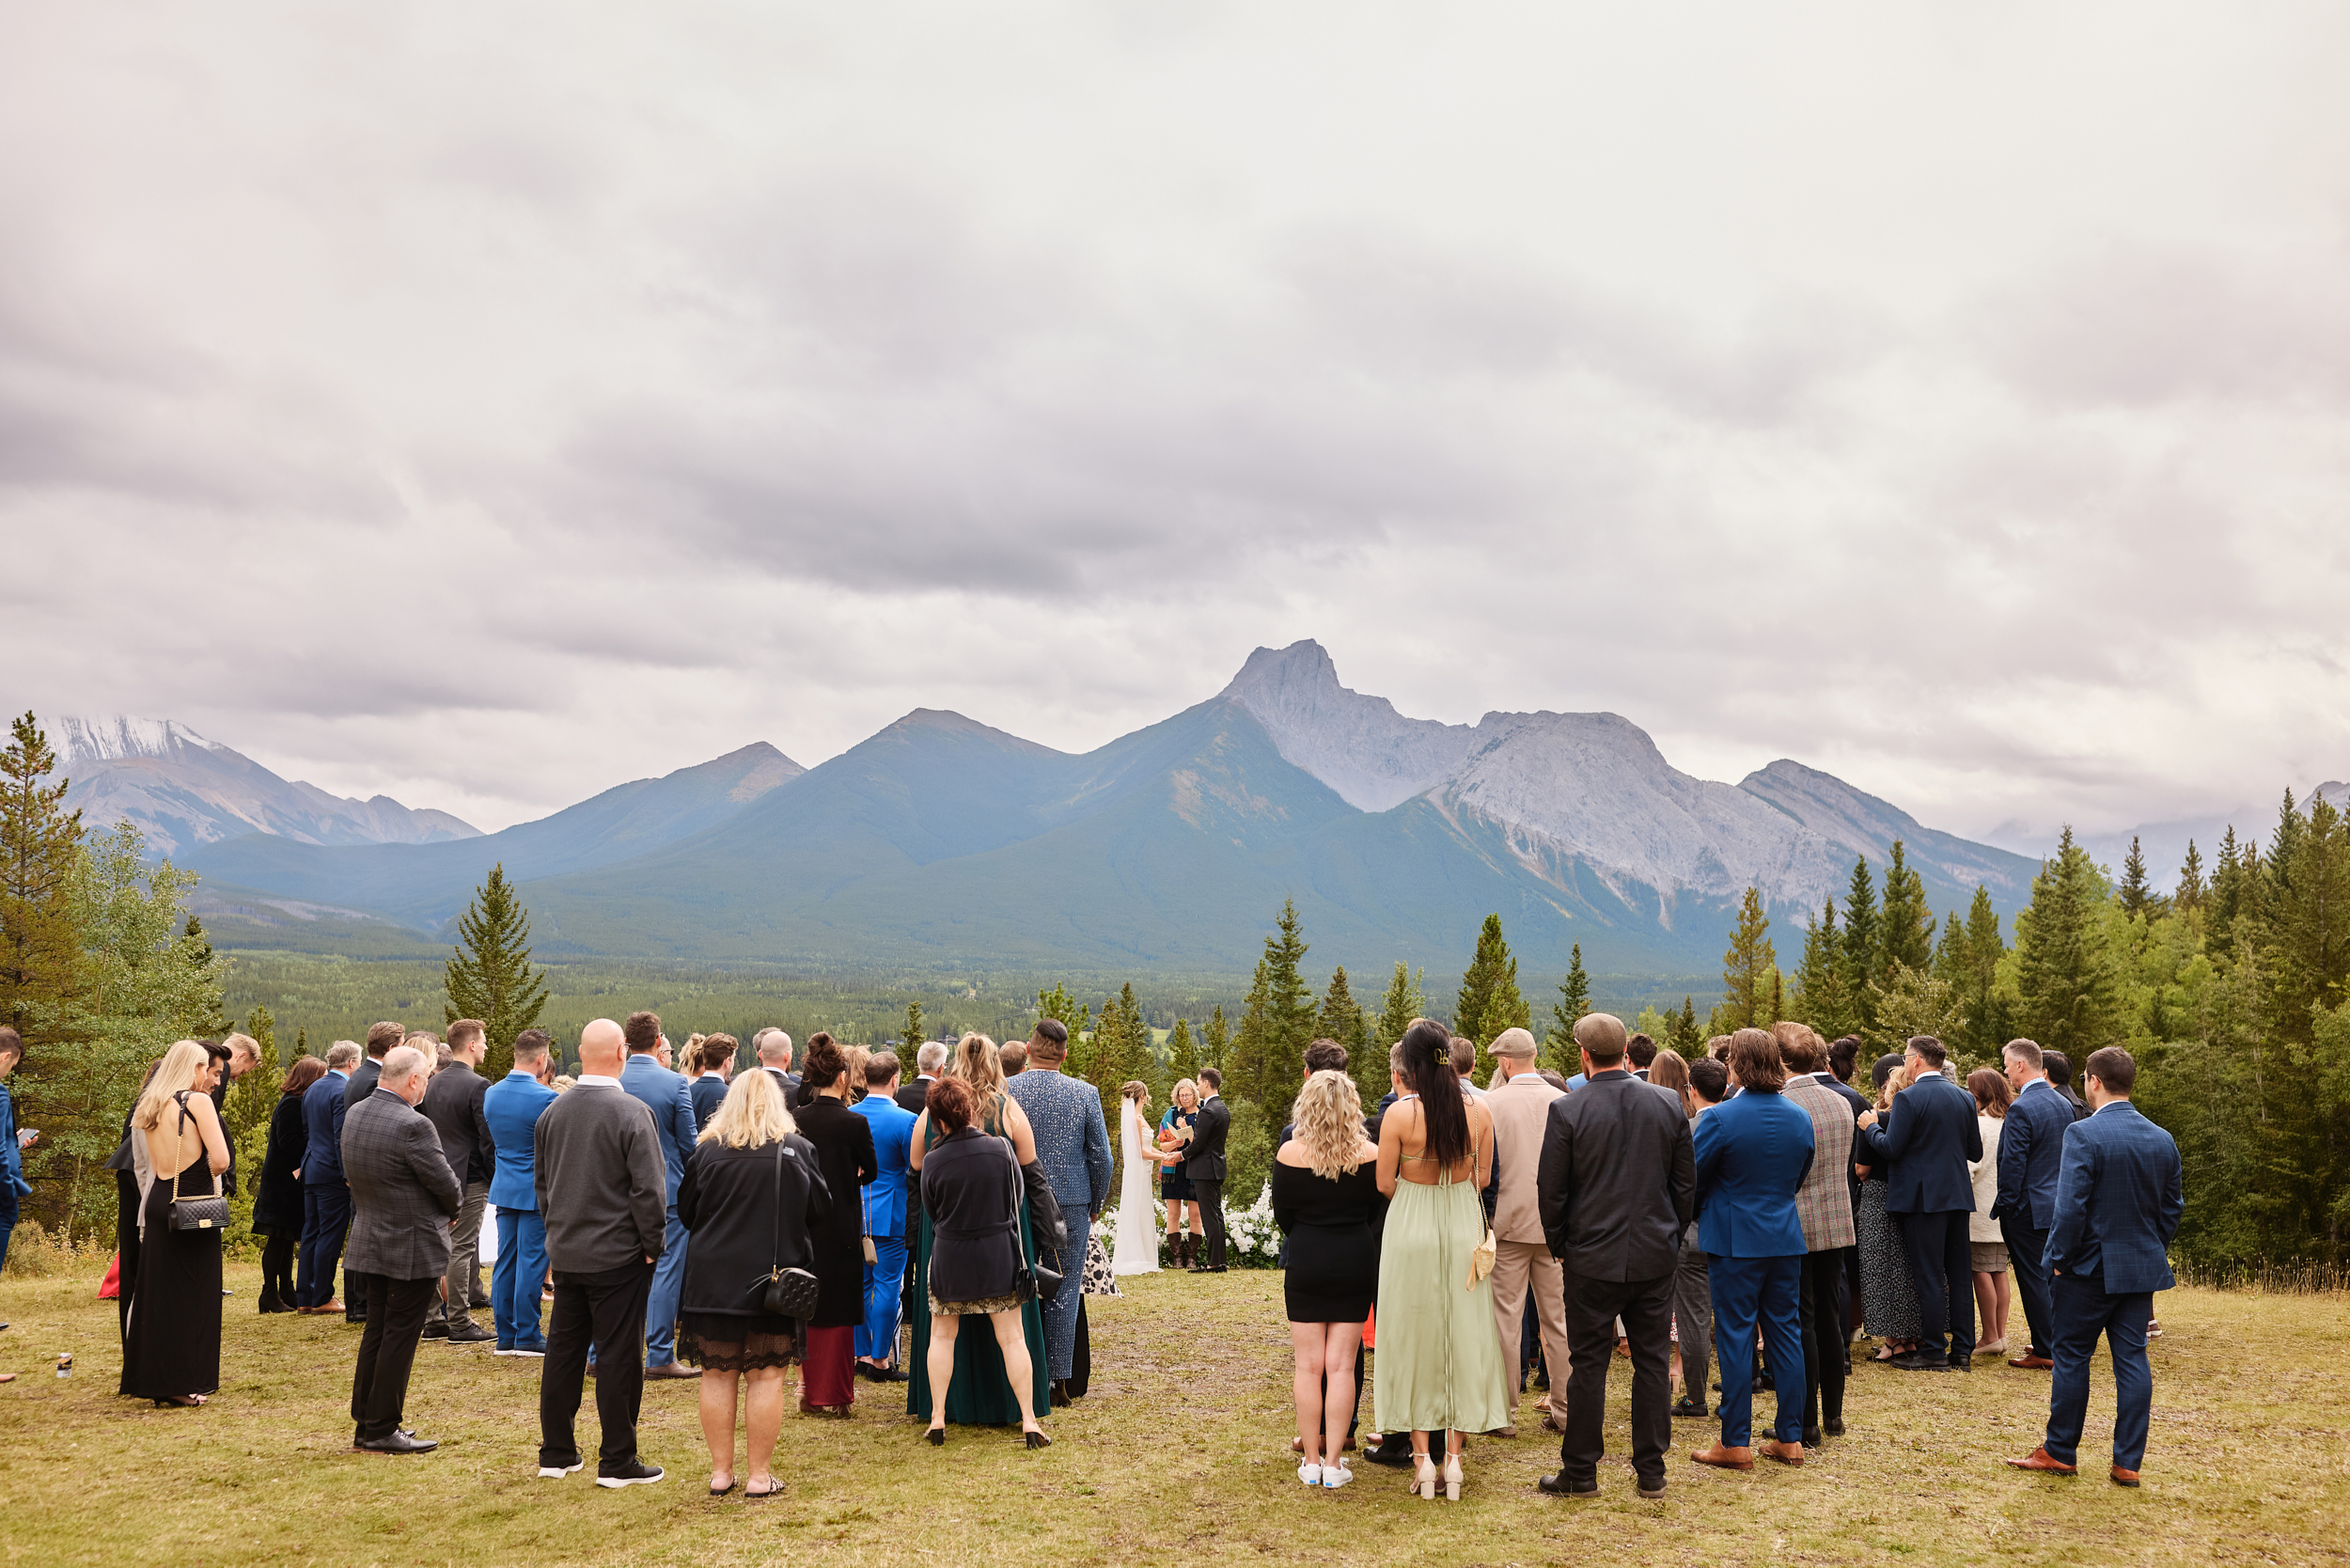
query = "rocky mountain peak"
{"x": 1359, "y": 745}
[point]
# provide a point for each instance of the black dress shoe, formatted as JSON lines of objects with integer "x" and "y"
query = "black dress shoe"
{"x": 1920, "y": 1360}
{"x": 471, "y": 1334}
{"x": 890, "y": 1375}
{"x": 1834, "y": 1429}
{"x": 1692, "y": 1408}
{"x": 1962, "y": 1363}
{"x": 399, "y": 1442}
{"x": 1560, "y": 1486}
{"x": 436, "y": 1331}
{"x": 1061, "y": 1393}
{"x": 1812, "y": 1438}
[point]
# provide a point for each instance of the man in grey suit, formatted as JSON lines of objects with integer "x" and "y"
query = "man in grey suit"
{"x": 452, "y": 1103}
{"x": 403, "y": 1196}
{"x": 381, "y": 1037}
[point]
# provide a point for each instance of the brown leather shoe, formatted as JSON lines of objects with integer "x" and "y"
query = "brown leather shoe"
{"x": 669, "y": 1369}
{"x": 1786, "y": 1453}
{"x": 2122, "y": 1477}
{"x": 2040, "y": 1461}
{"x": 2030, "y": 1363}
{"x": 1723, "y": 1457}
{"x": 331, "y": 1306}
{"x": 1552, "y": 1424}
{"x": 1502, "y": 1432}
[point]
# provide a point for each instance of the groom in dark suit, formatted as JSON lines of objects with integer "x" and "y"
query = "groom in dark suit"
{"x": 403, "y": 1196}
{"x": 1203, "y": 1167}
{"x": 1929, "y": 1139}
{"x": 2117, "y": 1211}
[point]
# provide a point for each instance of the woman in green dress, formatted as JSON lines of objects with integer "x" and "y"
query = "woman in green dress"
{"x": 1439, "y": 1367}
{"x": 979, "y": 1395}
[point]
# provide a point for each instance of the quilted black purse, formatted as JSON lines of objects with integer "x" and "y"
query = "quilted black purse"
{"x": 196, "y": 1211}
{"x": 783, "y": 1293}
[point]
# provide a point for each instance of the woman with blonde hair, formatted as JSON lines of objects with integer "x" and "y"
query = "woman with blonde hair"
{"x": 1889, "y": 1297}
{"x": 1136, "y": 1247}
{"x": 1184, "y": 1231}
{"x": 1326, "y": 1200}
{"x": 752, "y": 1198}
{"x": 171, "y": 1340}
{"x": 979, "y": 1391}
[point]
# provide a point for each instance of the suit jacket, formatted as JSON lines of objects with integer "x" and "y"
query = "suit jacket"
{"x": 512, "y": 1106}
{"x": 403, "y": 1192}
{"x": 1618, "y": 1178}
{"x": 1928, "y": 1140}
{"x": 1205, "y": 1160}
{"x": 893, "y": 1142}
{"x": 707, "y": 1092}
{"x": 12, "y": 1182}
{"x": 452, "y": 1102}
{"x": 361, "y": 1084}
{"x": 1753, "y": 1151}
{"x": 322, "y": 1126}
{"x": 2118, "y": 1203}
{"x": 914, "y": 1094}
{"x": 1072, "y": 1144}
{"x": 1521, "y": 1111}
{"x": 788, "y": 1083}
{"x": 665, "y": 1094}
{"x": 1824, "y": 1202}
{"x": 2031, "y": 1150}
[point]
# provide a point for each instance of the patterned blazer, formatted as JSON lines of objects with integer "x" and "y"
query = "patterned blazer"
{"x": 403, "y": 1192}
{"x": 1072, "y": 1142}
{"x": 1824, "y": 1202}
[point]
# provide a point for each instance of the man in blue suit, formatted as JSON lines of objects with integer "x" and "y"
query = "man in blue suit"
{"x": 666, "y": 1095}
{"x": 1753, "y": 1151}
{"x": 512, "y": 1107}
{"x": 886, "y": 1209}
{"x": 2118, "y": 1204}
{"x": 1927, "y": 1141}
{"x": 2031, "y": 1146}
{"x": 325, "y": 1198}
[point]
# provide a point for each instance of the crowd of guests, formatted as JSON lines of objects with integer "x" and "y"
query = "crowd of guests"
{"x": 1752, "y": 1203}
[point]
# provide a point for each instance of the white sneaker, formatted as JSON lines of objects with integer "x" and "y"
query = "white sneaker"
{"x": 1336, "y": 1476}
{"x": 534, "y": 1354}
{"x": 1309, "y": 1474}
{"x": 557, "y": 1472}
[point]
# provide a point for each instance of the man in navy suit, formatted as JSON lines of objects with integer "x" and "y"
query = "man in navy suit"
{"x": 2031, "y": 1145}
{"x": 2118, "y": 1204}
{"x": 671, "y": 1103}
{"x": 512, "y": 1106}
{"x": 1927, "y": 1141}
{"x": 325, "y": 1198}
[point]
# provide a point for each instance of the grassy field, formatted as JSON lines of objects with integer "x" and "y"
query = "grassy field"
{"x": 1179, "y": 1456}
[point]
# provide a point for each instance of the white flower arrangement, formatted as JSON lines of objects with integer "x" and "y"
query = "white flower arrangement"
{"x": 1252, "y": 1240}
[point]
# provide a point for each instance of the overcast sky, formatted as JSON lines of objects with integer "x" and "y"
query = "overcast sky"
{"x": 487, "y": 404}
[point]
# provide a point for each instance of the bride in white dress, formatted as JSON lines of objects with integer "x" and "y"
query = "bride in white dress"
{"x": 1136, "y": 1247}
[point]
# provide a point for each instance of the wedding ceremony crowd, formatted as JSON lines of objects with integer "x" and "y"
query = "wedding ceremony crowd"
{"x": 1726, "y": 1224}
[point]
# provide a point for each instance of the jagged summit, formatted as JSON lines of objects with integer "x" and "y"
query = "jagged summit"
{"x": 1359, "y": 745}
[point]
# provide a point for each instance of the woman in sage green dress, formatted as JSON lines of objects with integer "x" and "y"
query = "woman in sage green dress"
{"x": 1439, "y": 1367}
{"x": 978, "y": 1394}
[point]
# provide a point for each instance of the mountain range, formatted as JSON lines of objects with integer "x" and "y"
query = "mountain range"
{"x": 943, "y": 842}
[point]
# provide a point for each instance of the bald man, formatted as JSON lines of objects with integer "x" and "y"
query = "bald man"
{"x": 603, "y": 1189}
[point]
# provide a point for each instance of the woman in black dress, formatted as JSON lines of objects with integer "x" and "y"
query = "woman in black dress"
{"x": 1325, "y": 1197}
{"x": 844, "y": 1153}
{"x": 1183, "y": 1209}
{"x": 751, "y": 1199}
{"x": 171, "y": 1341}
{"x": 277, "y": 1203}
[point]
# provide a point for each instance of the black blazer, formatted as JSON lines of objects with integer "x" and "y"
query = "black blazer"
{"x": 1205, "y": 1163}
{"x": 452, "y": 1102}
{"x": 971, "y": 1186}
{"x": 277, "y": 1206}
{"x": 1618, "y": 1182}
{"x": 727, "y": 1201}
{"x": 843, "y": 1141}
{"x": 914, "y": 1094}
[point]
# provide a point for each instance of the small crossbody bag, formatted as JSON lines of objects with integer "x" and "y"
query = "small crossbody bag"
{"x": 783, "y": 1293}
{"x": 196, "y": 1211}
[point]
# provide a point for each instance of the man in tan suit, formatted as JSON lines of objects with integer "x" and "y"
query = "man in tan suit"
{"x": 1522, "y": 1260}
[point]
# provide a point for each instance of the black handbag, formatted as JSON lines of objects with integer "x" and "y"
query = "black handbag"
{"x": 197, "y": 1211}
{"x": 783, "y": 1293}
{"x": 1035, "y": 1280}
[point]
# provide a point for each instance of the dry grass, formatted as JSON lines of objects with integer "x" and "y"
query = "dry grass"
{"x": 1177, "y": 1456}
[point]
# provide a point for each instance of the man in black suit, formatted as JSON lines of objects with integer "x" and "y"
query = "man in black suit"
{"x": 1203, "y": 1166}
{"x": 1927, "y": 1141}
{"x": 381, "y": 1037}
{"x": 930, "y": 1060}
{"x": 774, "y": 1054}
{"x": 1617, "y": 1187}
{"x": 453, "y": 1104}
{"x": 403, "y": 1196}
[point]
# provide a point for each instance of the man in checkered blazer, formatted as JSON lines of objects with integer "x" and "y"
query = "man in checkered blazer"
{"x": 1824, "y": 1207}
{"x": 403, "y": 1196}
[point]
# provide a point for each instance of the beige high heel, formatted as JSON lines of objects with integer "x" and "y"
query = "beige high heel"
{"x": 1424, "y": 1477}
{"x": 1453, "y": 1475}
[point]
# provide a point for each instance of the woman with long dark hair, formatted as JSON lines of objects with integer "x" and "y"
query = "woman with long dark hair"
{"x": 277, "y": 1205}
{"x": 844, "y": 1152}
{"x": 1439, "y": 1366}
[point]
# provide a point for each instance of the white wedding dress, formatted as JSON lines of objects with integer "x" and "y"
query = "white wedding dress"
{"x": 1136, "y": 1247}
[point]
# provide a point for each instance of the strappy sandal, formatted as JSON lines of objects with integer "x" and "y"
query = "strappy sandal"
{"x": 775, "y": 1489}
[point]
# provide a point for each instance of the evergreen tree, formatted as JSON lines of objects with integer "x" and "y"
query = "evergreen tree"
{"x": 1489, "y": 1001}
{"x": 1278, "y": 1024}
{"x": 1968, "y": 963}
{"x": 2309, "y": 938}
{"x": 1820, "y": 999}
{"x": 2190, "y": 890}
{"x": 1574, "y": 1000}
{"x": 40, "y": 844}
{"x": 488, "y": 977}
{"x": 1059, "y": 1006}
{"x": 1403, "y": 1002}
{"x": 1904, "y": 932}
{"x": 2138, "y": 899}
{"x": 913, "y": 1033}
{"x": 302, "y": 1044}
{"x": 1687, "y": 1041}
{"x": 1216, "y": 1040}
{"x": 1182, "y": 1055}
{"x": 2067, "y": 990}
{"x": 1860, "y": 944}
{"x": 1749, "y": 970}
{"x": 1342, "y": 1019}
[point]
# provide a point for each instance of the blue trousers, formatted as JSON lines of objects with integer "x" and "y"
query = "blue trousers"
{"x": 885, "y": 1295}
{"x": 2081, "y": 1312}
{"x": 1060, "y": 1313}
{"x": 7, "y": 1219}
{"x": 668, "y": 1289}
{"x": 2026, "y": 1249}
{"x": 325, "y": 1215}
{"x": 516, "y": 1279}
{"x": 1769, "y": 1290}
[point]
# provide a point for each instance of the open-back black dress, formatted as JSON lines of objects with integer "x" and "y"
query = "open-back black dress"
{"x": 171, "y": 1343}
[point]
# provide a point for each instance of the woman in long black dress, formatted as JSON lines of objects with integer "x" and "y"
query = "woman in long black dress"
{"x": 171, "y": 1344}
{"x": 1325, "y": 1197}
{"x": 844, "y": 1153}
{"x": 277, "y": 1204}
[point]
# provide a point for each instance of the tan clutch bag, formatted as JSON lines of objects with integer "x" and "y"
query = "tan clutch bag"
{"x": 1481, "y": 1260}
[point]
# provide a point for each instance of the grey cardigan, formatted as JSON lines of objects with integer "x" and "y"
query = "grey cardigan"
{"x": 603, "y": 1188}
